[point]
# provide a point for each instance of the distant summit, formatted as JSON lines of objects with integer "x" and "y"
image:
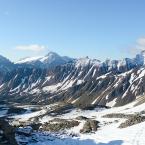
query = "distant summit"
{"x": 5, "y": 64}
{"x": 52, "y": 59}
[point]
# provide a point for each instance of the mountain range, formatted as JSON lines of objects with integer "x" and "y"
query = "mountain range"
{"x": 82, "y": 81}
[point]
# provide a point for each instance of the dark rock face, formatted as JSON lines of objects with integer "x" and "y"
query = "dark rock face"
{"x": 8, "y": 133}
{"x": 16, "y": 110}
{"x": 84, "y": 82}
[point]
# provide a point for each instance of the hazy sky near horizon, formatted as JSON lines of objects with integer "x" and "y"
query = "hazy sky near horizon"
{"x": 77, "y": 28}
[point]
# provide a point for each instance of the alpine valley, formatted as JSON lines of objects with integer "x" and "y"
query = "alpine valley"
{"x": 55, "y": 99}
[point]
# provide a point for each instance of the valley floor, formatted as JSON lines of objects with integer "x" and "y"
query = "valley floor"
{"x": 108, "y": 133}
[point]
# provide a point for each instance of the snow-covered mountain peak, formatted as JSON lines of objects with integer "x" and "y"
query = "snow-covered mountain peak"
{"x": 82, "y": 62}
{"x": 143, "y": 52}
{"x": 50, "y": 60}
{"x": 28, "y": 59}
{"x": 140, "y": 58}
{"x": 5, "y": 64}
{"x": 50, "y": 57}
{"x": 4, "y": 59}
{"x": 51, "y": 53}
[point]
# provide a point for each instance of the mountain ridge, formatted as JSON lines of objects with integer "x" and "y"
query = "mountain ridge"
{"x": 82, "y": 81}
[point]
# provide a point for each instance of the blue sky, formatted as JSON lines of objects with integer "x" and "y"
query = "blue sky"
{"x": 77, "y": 28}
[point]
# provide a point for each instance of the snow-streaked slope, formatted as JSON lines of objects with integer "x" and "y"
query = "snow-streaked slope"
{"x": 67, "y": 81}
{"x": 28, "y": 59}
{"x": 82, "y": 80}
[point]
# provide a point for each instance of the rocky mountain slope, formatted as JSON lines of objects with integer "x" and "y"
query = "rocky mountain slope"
{"x": 82, "y": 81}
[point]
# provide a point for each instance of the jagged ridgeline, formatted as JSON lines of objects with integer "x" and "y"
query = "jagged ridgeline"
{"x": 83, "y": 81}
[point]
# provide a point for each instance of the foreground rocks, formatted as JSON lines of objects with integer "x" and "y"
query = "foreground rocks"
{"x": 118, "y": 115}
{"x": 90, "y": 126}
{"x": 57, "y": 125}
{"x": 132, "y": 121}
{"x": 26, "y": 131}
{"x": 81, "y": 118}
